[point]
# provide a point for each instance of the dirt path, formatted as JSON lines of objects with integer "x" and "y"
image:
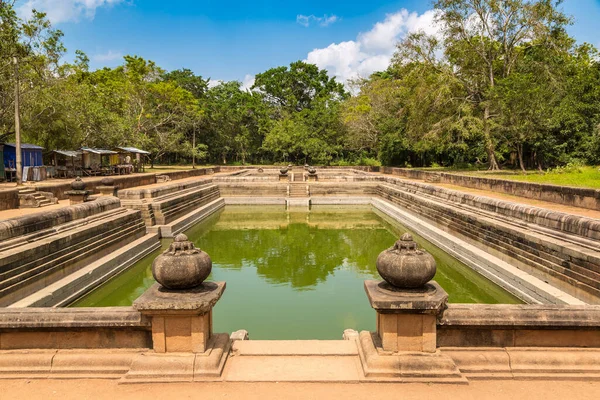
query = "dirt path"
{"x": 477, "y": 390}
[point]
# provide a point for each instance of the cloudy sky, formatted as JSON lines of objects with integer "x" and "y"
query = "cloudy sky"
{"x": 233, "y": 40}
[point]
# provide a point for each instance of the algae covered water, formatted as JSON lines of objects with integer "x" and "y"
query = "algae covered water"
{"x": 297, "y": 274}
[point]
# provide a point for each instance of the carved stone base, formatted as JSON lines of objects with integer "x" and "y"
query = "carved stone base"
{"x": 108, "y": 190}
{"x": 284, "y": 178}
{"x": 181, "y": 367}
{"x": 381, "y": 365}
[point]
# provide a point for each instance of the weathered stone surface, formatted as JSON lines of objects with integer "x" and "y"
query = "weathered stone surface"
{"x": 88, "y": 317}
{"x": 574, "y": 196}
{"x": 405, "y": 266}
{"x": 39, "y": 258}
{"x": 199, "y": 300}
{"x": 405, "y": 366}
{"x": 384, "y": 298}
{"x": 182, "y": 265}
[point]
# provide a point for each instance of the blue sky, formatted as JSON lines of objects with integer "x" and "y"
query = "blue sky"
{"x": 233, "y": 40}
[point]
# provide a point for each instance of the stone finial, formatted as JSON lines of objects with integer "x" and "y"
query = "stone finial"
{"x": 260, "y": 170}
{"x": 78, "y": 184}
{"x": 405, "y": 266}
{"x": 312, "y": 170}
{"x": 108, "y": 181}
{"x": 182, "y": 266}
{"x": 283, "y": 171}
{"x": 290, "y": 166}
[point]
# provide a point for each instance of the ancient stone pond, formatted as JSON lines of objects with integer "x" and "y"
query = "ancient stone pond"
{"x": 298, "y": 274}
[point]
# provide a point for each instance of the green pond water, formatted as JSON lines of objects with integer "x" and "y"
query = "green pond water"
{"x": 297, "y": 274}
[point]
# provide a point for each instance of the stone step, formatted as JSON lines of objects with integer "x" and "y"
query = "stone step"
{"x": 295, "y": 348}
{"x": 293, "y": 369}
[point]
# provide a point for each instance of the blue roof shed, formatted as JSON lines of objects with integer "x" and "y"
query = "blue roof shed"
{"x": 30, "y": 153}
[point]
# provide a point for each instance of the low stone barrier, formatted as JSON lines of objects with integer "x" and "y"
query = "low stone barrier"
{"x": 14, "y": 227}
{"x": 571, "y": 196}
{"x": 502, "y": 325}
{"x": 74, "y": 328}
{"x": 570, "y": 263}
{"x": 9, "y": 199}
{"x": 58, "y": 189}
{"x": 568, "y": 223}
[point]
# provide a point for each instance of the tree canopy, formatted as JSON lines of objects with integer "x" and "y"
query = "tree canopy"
{"x": 500, "y": 84}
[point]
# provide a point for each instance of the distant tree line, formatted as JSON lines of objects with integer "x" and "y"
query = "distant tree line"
{"x": 500, "y": 84}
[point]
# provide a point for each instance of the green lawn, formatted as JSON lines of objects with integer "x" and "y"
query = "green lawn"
{"x": 587, "y": 177}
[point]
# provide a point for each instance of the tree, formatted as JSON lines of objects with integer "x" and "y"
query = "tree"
{"x": 483, "y": 40}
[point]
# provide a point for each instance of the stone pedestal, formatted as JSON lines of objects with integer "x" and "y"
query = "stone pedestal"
{"x": 182, "y": 319}
{"x": 185, "y": 348}
{"x": 406, "y": 318}
{"x": 77, "y": 196}
{"x": 108, "y": 190}
{"x": 284, "y": 178}
{"x": 404, "y": 346}
{"x": 312, "y": 177}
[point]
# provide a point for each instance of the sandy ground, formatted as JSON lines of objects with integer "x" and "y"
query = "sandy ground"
{"x": 477, "y": 390}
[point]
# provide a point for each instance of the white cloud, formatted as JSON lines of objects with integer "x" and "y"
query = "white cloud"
{"x": 372, "y": 50}
{"x": 325, "y": 20}
{"x": 248, "y": 82}
{"x": 108, "y": 56}
{"x": 65, "y": 10}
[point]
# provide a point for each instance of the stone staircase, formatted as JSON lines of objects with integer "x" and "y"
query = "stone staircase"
{"x": 31, "y": 198}
{"x": 564, "y": 258}
{"x": 298, "y": 189}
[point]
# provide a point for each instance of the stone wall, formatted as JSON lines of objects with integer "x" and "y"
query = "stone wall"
{"x": 569, "y": 262}
{"x": 9, "y": 199}
{"x": 58, "y": 189}
{"x": 163, "y": 204}
{"x": 46, "y": 247}
{"x": 74, "y": 328}
{"x": 562, "y": 222}
{"x": 501, "y": 325}
{"x": 38, "y": 222}
{"x": 461, "y": 326}
{"x": 571, "y": 196}
{"x": 228, "y": 189}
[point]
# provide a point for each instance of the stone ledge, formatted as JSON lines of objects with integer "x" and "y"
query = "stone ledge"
{"x": 199, "y": 300}
{"x": 44, "y": 318}
{"x": 528, "y": 316}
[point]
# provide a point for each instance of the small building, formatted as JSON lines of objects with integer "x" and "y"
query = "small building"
{"x": 134, "y": 154}
{"x": 67, "y": 163}
{"x": 97, "y": 158}
{"x": 31, "y": 155}
{"x": 2, "y": 173}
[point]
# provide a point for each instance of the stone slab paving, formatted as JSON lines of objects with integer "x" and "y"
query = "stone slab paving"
{"x": 49, "y": 389}
{"x": 295, "y": 347}
{"x": 292, "y": 368}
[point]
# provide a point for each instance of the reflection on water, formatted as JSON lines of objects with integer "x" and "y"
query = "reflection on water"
{"x": 293, "y": 275}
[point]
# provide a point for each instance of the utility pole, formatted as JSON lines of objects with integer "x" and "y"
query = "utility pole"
{"x": 194, "y": 146}
{"x": 18, "y": 154}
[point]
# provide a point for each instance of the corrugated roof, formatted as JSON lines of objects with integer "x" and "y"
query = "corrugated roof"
{"x": 25, "y": 146}
{"x": 68, "y": 153}
{"x": 133, "y": 150}
{"x": 98, "y": 151}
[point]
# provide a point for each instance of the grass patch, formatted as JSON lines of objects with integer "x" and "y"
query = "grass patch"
{"x": 588, "y": 177}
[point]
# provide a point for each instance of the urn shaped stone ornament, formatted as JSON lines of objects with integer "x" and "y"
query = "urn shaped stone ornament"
{"x": 78, "y": 184}
{"x": 405, "y": 266}
{"x": 182, "y": 266}
{"x": 312, "y": 170}
{"x": 108, "y": 181}
{"x": 283, "y": 171}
